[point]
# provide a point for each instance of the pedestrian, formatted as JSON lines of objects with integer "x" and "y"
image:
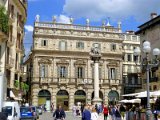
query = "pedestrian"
{"x": 86, "y": 115}
{"x": 122, "y": 111}
{"x": 94, "y": 114}
{"x": 105, "y": 112}
{"x": 52, "y": 107}
{"x": 117, "y": 114}
{"x": 74, "y": 110}
{"x": 59, "y": 113}
{"x": 3, "y": 116}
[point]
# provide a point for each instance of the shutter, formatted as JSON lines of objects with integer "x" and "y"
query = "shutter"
{"x": 82, "y": 45}
{"x": 116, "y": 77}
{"x": 109, "y": 73}
{"x": 114, "y": 46}
{"x": 58, "y": 71}
{"x": 76, "y": 44}
{"x": 76, "y": 72}
{"x": 60, "y": 45}
{"x": 46, "y": 42}
{"x": 65, "y": 45}
{"x": 111, "y": 46}
{"x": 66, "y": 72}
{"x": 100, "y": 73}
{"x": 40, "y": 70}
{"x": 99, "y": 46}
{"x": 42, "y": 43}
{"x": 83, "y": 72}
{"x": 46, "y": 71}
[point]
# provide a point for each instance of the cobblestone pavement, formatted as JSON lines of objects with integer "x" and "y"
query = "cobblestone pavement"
{"x": 48, "y": 116}
{"x": 69, "y": 116}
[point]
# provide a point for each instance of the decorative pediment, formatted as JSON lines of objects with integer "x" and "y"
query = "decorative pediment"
{"x": 80, "y": 62}
{"x": 63, "y": 61}
{"x": 44, "y": 61}
{"x": 113, "y": 63}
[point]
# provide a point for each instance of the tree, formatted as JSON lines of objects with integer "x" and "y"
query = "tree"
{"x": 3, "y": 20}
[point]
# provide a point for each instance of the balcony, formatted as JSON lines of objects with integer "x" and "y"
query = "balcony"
{"x": 11, "y": 18}
{"x": 19, "y": 27}
{"x": 133, "y": 85}
{"x": 11, "y": 42}
{"x": 10, "y": 63}
{"x": 153, "y": 79}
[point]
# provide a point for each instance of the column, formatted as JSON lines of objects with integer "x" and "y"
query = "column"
{"x": 71, "y": 100}
{"x": 96, "y": 80}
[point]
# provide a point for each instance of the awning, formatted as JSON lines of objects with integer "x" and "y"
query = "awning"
{"x": 15, "y": 94}
{"x": 131, "y": 101}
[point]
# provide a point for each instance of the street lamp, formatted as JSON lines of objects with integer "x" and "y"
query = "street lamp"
{"x": 148, "y": 64}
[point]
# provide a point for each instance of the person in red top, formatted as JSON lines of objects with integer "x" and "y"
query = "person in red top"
{"x": 105, "y": 112}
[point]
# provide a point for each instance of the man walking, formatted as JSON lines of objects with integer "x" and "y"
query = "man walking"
{"x": 59, "y": 113}
{"x": 86, "y": 115}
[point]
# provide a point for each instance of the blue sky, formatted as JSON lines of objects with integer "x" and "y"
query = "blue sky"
{"x": 131, "y": 13}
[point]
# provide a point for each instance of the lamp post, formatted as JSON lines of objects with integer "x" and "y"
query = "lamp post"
{"x": 148, "y": 64}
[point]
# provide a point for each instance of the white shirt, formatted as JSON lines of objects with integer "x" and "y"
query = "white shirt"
{"x": 94, "y": 116}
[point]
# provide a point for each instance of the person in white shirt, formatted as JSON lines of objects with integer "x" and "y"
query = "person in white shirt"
{"x": 94, "y": 114}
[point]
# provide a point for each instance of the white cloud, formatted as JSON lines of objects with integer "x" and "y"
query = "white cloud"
{"x": 116, "y": 9}
{"x": 29, "y": 28}
{"x": 63, "y": 19}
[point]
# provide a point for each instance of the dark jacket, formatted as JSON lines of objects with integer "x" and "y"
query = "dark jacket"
{"x": 3, "y": 116}
{"x": 86, "y": 115}
{"x": 59, "y": 114}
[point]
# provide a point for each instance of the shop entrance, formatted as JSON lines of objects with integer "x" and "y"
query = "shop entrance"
{"x": 63, "y": 99}
{"x": 44, "y": 98}
{"x": 79, "y": 97}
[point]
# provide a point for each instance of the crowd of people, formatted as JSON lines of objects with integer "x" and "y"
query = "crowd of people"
{"x": 109, "y": 112}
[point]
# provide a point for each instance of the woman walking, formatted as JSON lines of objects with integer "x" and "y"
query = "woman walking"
{"x": 105, "y": 112}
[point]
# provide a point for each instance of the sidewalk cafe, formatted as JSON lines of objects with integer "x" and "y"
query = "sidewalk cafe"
{"x": 139, "y": 102}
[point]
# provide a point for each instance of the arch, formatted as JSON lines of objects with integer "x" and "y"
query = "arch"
{"x": 43, "y": 93}
{"x": 44, "y": 98}
{"x": 80, "y": 92}
{"x": 79, "y": 97}
{"x": 113, "y": 97}
{"x": 62, "y": 92}
{"x": 63, "y": 99}
{"x": 100, "y": 95}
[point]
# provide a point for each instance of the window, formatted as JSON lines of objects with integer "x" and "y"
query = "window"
{"x": 135, "y": 58}
{"x": 129, "y": 57}
{"x": 63, "y": 45}
{"x": 62, "y": 72}
{"x": 43, "y": 70}
{"x": 44, "y": 43}
{"x": 155, "y": 87}
{"x": 113, "y": 46}
{"x": 112, "y": 73}
{"x": 80, "y": 45}
{"x": 97, "y": 45}
{"x": 80, "y": 72}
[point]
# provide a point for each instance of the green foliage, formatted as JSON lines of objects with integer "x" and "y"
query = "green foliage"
{"x": 3, "y": 20}
{"x": 16, "y": 83}
{"x": 24, "y": 87}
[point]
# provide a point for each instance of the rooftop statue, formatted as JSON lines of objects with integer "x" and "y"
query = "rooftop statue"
{"x": 37, "y": 18}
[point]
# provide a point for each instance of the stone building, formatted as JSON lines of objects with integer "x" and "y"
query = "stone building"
{"x": 12, "y": 47}
{"x": 60, "y": 68}
{"x": 131, "y": 65}
{"x": 149, "y": 31}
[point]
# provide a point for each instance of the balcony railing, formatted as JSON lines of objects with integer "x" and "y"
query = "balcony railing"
{"x": 76, "y": 27}
{"x": 153, "y": 79}
{"x": 10, "y": 62}
{"x": 51, "y": 80}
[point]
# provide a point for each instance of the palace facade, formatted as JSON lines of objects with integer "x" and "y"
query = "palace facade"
{"x": 59, "y": 67}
